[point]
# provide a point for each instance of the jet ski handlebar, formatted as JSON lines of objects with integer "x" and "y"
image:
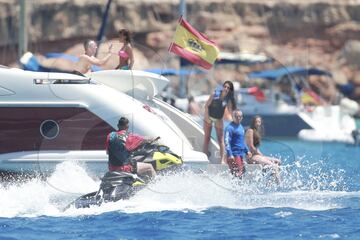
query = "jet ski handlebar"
{"x": 155, "y": 139}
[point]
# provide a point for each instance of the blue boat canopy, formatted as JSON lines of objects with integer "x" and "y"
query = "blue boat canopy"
{"x": 274, "y": 74}
{"x": 31, "y": 63}
{"x": 246, "y": 59}
{"x": 70, "y": 58}
{"x": 174, "y": 72}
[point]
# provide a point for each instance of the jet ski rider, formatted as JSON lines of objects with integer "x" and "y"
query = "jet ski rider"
{"x": 119, "y": 145}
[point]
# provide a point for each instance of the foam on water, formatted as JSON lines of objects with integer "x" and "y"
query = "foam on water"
{"x": 304, "y": 186}
{"x": 44, "y": 197}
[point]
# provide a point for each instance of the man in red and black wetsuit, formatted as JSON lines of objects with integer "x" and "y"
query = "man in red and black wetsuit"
{"x": 119, "y": 144}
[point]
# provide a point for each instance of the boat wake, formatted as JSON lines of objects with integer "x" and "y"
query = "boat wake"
{"x": 304, "y": 186}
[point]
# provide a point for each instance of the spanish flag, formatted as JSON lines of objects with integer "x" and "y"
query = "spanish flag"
{"x": 309, "y": 97}
{"x": 193, "y": 46}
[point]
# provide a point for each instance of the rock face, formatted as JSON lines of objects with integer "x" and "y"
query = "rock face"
{"x": 52, "y": 20}
{"x": 303, "y": 32}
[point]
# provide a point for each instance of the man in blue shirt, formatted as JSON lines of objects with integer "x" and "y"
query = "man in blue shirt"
{"x": 235, "y": 145}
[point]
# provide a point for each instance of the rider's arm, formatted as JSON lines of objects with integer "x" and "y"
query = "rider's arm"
{"x": 133, "y": 141}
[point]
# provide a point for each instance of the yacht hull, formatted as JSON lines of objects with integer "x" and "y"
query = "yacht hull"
{"x": 279, "y": 125}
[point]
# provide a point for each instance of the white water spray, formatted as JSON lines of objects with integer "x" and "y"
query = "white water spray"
{"x": 304, "y": 186}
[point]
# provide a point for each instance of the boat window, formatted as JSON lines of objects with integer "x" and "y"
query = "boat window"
{"x": 61, "y": 81}
{"x": 138, "y": 94}
{"x": 67, "y": 81}
{"x": 49, "y": 129}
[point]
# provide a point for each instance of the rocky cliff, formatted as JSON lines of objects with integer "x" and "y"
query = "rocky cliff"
{"x": 317, "y": 33}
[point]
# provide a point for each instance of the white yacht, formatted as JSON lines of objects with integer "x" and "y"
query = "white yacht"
{"x": 47, "y": 118}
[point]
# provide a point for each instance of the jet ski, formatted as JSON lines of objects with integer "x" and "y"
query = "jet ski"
{"x": 118, "y": 185}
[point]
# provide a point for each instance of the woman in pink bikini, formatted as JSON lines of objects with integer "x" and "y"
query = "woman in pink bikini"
{"x": 126, "y": 57}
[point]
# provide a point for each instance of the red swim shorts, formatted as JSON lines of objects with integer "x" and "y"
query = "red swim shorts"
{"x": 236, "y": 166}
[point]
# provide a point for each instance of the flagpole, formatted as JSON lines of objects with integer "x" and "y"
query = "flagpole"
{"x": 182, "y": 9}
{"x": 100, "y": 36}
{"x": 182, "y": 80}
{"x": 23, "y": 29}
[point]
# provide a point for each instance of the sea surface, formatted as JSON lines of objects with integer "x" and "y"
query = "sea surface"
{"x": 318, "y": 198}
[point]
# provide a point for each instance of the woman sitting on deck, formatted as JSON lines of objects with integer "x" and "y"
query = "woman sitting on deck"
{"x": 253, "y": 140}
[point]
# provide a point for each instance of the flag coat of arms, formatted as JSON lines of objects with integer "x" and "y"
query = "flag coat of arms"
{"x": 193, "y": 46}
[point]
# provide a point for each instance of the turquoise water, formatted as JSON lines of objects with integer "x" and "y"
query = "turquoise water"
{"x": 317, "y": 199}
